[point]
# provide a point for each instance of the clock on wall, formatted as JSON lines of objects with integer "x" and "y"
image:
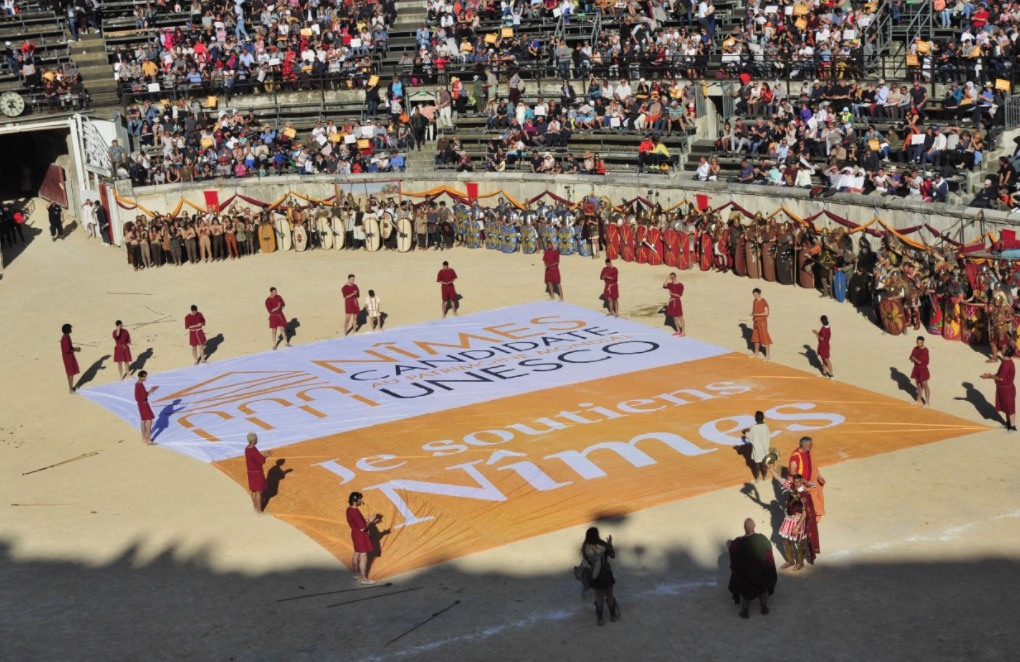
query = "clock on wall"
{"x": 12, "y": 104}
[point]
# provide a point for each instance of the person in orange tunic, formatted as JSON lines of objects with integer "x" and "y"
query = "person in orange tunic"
{"x": 675, "y": 307}
{"x": 610, "y": 276}
{"x": 551, "y": 258}
{"x": 194, "y": 322}
{"x": 67, "y": 351}
{"x": 352, "y": 305}
{"x": 448, "y": 291}
{"x": 122, "y": 349}
{"x": 803, "y": 464}
{"x": 760, "y": 324}
{"x": 277, "y": 320}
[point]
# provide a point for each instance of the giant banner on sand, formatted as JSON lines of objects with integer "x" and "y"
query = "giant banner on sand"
{"x": 473, "y": 432}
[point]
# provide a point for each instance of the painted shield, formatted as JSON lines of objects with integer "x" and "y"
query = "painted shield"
{"x": 267, "y": 238}
{"x": 656, "y": 247}
{"x": 627, "y": 242}
{"x": 640, "y": 249}
{"x": 566, "y": 236}
{"x": 952, "y": 326}
{"x": 839, "y": 285}
{"x": 300, "y": 238}
{"x": 405, "y": 235}
{"x": 529, "y": 239}
{"x": 705, "y": 259}
{"x": 894, "y": 318}
{"x": 672, "y": 250}
{"x": 612, "y": 241}
{"x": 974, "y": 330}
{"x": 684, "y": 260}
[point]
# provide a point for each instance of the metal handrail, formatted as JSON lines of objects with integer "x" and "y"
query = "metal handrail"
{"x": 1011, "y": 110}
{"x": 884, "y": 39}
{"x": 921, "y": 22}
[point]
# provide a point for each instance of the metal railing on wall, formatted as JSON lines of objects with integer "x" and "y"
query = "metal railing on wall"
{"x": 1011, "y": 111}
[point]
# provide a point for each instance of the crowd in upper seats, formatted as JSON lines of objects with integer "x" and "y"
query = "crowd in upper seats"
{"x": 61, "y": 86}
{"x": 255, "y": 46}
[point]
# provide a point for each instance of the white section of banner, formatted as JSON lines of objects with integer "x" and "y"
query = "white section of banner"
{"x": 311, "y": 391}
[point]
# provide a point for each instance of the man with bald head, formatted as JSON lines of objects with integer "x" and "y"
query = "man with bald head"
{"x": 752, "y": 569}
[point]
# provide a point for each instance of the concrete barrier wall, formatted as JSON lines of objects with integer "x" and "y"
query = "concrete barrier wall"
{"x": 964, "y": 223}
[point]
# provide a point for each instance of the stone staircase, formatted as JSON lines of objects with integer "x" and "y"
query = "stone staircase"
{"x": 89, "y": 53}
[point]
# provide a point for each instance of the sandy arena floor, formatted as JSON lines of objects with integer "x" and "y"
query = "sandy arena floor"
{"x": 139, "y": 552}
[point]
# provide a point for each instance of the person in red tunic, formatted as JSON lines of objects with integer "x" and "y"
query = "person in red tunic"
{"x": 277, "y": 320}
{"x": 253, "y": 460}
{"x": 122, "y": 349}
{"x": 194, "y": 322}
{"x": 610, "y": 278}
{"x": 144, "y": 410}
{"x": 67, "y": 352}
{"x": 760, "y": 324}
{"x": 551, "y": 258}
{"x": 920, "y": 374}
{"x": 824, "y": 334}
{"x": 675, "y": 307}
{"x": 352, "y": 297}
{"x": 360, "y": 537}
{"x": 801, "y": 463}
{"x": 448, "y": 291}
{"x": 1005, "y": 390}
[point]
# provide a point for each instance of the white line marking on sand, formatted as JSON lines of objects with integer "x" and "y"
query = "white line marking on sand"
{"x": 536, "y": 619}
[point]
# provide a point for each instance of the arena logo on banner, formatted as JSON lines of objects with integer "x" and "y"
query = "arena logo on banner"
{"x": 345, "y": 384}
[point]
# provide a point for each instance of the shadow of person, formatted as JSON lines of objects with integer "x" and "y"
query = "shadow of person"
{"x": 213, "y": 344}
{"x": 163, "y": 418}
{"x": 744, "y": 451}
{"x": 22, "y": 242}
{"x": 274, "y": 476}
{"x": 376, "y": 534}
{"x": 746, "y": 332}
{"x": 774, "y": 507}
{"x": 139, "y": 362}
{"x": 902, "y": 381}
{"x": 361, "y": 320}
{"x": 290, "y": 329}
{"x": 980, "y": 402}
{"x": 382, "y": 320}
{"x": 91, "y": 372}
{"x": 448, "y": 306}
{"x": 812, "y": 357}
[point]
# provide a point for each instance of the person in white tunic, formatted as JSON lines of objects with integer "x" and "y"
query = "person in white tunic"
{"x": 759, "y": 437}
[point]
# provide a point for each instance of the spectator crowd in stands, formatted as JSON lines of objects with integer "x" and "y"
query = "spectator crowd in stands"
{"x": 61, "y": 87}
{"x": 635, "y": 75}
{"x": 257, "y": 46}
{"x": 191, "y": 144}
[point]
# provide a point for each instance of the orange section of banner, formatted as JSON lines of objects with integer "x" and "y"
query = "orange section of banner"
{"x": 466, "y": 480}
